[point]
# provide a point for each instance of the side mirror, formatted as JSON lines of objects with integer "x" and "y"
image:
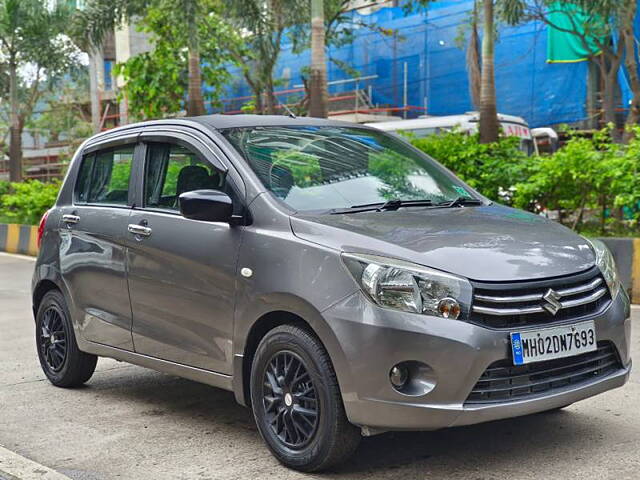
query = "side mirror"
{"x": 206, "y": 205}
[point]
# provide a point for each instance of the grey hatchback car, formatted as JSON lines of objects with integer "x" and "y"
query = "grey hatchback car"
{"x": 339, "y": 281}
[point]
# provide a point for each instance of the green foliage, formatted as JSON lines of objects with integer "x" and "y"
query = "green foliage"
{"x": 26, "y": 202}
{"x": 304, "y": 167}
{"x": 120, "y": 175}
{"x": 32, "y": 41}
{"x": 394, "y": 170}
{"x": 4, "y": 187}
{"x": 32, "y": 33}
{"x": 588, "y": 180}
{"x": 249, "y": 107}
{"x": 587, "y": 173}
{"x": 489, "y": 168}
{"x": 263, "y": 24}
{"x": 65, "y": 117}
{"x": 99, "y": 18}
{"x": 157, "y": 81}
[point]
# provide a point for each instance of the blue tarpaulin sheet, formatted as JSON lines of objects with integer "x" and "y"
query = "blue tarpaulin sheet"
{"x": 437, "y": 79}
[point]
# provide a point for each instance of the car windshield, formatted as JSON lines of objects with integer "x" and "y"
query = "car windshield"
{"x": 329, "y": 167}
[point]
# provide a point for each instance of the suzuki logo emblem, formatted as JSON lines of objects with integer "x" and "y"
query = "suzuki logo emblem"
{"x": 551, "y": 301}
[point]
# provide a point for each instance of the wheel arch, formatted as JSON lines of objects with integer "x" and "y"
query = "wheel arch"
{"x": 40, "y": 290}
{"x": 309, "y": 319}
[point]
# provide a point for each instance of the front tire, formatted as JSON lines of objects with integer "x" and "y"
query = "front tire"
{"x": 296, "y": 401}
{"x": 61, "y": 360}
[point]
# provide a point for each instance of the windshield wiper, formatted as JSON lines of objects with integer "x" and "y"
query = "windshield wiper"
{"x": 460, "y": 202}
{"x": 393, "y": 204}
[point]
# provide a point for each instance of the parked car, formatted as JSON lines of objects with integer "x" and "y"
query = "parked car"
{"x": 468, "y": 123}
{"x": 339, "y": 281}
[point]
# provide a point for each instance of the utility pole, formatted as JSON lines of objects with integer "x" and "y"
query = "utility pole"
{"x": 318, "y": 96}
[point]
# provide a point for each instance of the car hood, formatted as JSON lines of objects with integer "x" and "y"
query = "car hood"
{"x": 487, "y": 243}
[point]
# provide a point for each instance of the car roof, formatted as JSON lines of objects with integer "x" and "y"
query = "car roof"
{"x": 219, "y": 122}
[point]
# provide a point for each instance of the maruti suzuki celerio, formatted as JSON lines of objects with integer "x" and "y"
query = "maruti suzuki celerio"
{"x": 339, "y": 281}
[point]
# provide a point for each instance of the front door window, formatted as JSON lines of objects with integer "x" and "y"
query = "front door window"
{"x": 172, "y": 170}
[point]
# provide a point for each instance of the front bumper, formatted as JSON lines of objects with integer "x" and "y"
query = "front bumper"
{"x": 373, "y": 340}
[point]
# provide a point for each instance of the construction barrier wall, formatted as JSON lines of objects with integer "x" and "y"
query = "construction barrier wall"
{"x": 19, "y": 239}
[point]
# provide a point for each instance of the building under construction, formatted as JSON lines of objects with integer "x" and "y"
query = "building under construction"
{"x": 421, "y": 68}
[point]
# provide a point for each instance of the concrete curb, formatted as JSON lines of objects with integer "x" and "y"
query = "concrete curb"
{"x": 17, "y": 467}
{"x": 16, "y": 238}
{"x": 22, "y": 239}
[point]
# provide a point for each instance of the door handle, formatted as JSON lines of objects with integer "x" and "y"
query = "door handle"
{"x": 139, "y": 230}
{"x": 70, "y": 218}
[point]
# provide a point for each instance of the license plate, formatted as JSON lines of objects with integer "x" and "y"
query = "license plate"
{"x": 549, "y": 343}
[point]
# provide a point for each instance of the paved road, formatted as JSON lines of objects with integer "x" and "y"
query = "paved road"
{"x": 132, "y": 423}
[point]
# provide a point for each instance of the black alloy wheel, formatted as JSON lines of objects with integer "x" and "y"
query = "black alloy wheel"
{"x": 64, "y": 364}
{"x": 289, "y": 399}
{"x": 53, "y": 339}
{"x": 297, "y": 403}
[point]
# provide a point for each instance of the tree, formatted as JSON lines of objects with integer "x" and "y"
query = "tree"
{"x": 489, "y": 126}
{"x": 193, "y": 11}
{"x": 101, "y": 16}
{"x": 318, "y": 104}
{"x": 595, "y": 22}
{"x": 472, "y": 48}
{"x": 156, "y": 81}
{"x": 65, "y": 116}
{"x": 263, "y": 24}
{"x": 339, "y": 29}
{"x": 31, "y": 39}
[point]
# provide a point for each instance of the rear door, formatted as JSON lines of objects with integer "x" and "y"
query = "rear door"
{"x": 181, "y": 271}
{"x": 93, "y": 232}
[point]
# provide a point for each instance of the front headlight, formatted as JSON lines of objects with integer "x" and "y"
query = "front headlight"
{"x": 409, "y": 287}
{"x": 607, "y": 265}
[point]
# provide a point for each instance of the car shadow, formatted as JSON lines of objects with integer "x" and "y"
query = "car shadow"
{"x": 470, "y": 450}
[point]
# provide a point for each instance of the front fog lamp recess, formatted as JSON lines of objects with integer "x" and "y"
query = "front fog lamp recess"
{"x": 399, "y": 376}
{"x": 412, "y": 378}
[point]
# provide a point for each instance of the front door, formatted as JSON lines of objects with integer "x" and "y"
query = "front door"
{"x": 92, "y": 251}
{"x": 181, "y": 271}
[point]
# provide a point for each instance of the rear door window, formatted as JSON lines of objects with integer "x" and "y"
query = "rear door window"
{"x": 104, "y": 177}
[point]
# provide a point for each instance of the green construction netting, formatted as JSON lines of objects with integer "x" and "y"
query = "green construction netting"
{"x": 565, "y": 46}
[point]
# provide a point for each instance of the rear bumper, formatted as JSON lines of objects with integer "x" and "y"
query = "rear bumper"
{"x": 456, "y": 353}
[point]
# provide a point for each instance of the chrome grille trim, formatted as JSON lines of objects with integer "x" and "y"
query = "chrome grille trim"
{"x": 538, "y": 296}
{"x": 527, "y": 310}
{"x": 539, "y": 302}
{"x": 584, "y": 300}
{"x": 563, "y": 292}
{"x": 508, "y": 311}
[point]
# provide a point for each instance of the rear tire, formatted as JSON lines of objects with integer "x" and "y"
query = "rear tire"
{"x": 61, "y": 360}
{"x": 297, "y": 403}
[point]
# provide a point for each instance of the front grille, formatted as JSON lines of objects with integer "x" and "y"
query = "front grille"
{"x": 516, "y": 304}
{"x": 504, "y": 382}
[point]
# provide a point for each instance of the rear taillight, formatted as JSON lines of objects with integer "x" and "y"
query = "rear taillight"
{"x": 43, "y": 223}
